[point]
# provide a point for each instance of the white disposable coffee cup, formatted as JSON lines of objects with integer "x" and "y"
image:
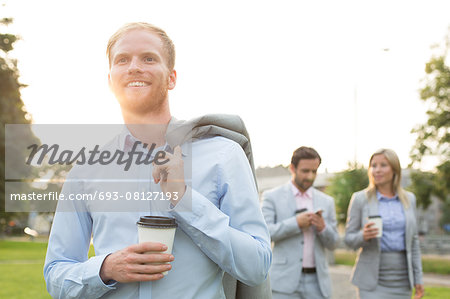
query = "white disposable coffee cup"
{"x": 378, "y": 223}
{"x": 157, "y": 229}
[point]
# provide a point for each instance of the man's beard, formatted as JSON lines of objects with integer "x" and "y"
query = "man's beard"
{"x": 158, "y": 104}
{"x": 304, "y": 185}
{"x": 154, "y": 105}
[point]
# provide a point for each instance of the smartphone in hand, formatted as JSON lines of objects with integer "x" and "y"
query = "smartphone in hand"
{"x": 300, "y": 210}
{"x": 318, "y": 212}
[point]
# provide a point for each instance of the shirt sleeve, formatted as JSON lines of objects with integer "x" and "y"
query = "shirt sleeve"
{"x": 233, "y": 235}
{"x": 68, "y": 272}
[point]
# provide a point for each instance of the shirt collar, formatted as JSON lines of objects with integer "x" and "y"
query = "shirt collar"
{"x": 126, "y": 141}
{"x": 296, "y": 192}
{"x": 384, "y": 198}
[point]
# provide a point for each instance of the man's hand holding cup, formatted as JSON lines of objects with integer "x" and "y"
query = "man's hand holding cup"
{"x": 133, "y": 264}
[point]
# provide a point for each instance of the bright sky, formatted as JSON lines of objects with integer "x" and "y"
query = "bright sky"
{"x": 288, "y": 68}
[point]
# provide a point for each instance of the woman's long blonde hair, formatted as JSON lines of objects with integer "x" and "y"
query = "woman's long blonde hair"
{"x": 394, "y": 162}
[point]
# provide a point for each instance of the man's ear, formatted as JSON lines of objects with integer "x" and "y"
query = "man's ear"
{"x": 172, "y": 79}
{"x": 292, "y": 168}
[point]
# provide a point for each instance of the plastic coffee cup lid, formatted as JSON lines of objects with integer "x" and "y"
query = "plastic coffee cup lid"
{"x": 157, "y": 222}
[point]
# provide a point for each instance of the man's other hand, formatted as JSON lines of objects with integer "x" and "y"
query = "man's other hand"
{"x": 171, "y": 175}
{"x": 317, "y": 221}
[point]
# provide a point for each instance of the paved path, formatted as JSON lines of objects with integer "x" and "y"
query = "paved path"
{"x": 343, "y": 289}
{"x": 340, "y": 277}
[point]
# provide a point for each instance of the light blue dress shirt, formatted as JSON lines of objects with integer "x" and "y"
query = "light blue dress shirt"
{"x": 394, "y": 223}
{"x": 220, "y": 228}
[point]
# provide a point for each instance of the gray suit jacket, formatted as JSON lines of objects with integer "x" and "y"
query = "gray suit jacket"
{"x": 226, "y": 125}
{"x": 365, "y": 272}
{"x": 231, "y": 127}
{"x": 278, "y": 208}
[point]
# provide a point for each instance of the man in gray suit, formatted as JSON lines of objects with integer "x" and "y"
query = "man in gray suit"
{"x": 302, "y": 223}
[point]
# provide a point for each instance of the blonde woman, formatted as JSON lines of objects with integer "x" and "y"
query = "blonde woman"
{"x": 390, "y": 266}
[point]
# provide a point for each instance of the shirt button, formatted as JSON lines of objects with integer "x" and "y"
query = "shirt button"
{"x": 303, "y": 242}
{"x": 301, "y": 260}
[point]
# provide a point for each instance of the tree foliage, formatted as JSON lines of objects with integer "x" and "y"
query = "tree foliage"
{"x": 445, "y": 220}
{"x": 433, "y": 137}
{"x": 422, "y": 185}
{"x": 344, "y": 184}
{"x": 12, "y": 112}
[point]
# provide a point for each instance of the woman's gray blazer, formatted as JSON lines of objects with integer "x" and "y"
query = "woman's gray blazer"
{"x": 365, "y": 271}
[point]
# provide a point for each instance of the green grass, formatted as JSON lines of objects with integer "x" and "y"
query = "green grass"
{"x": 429, "y": 264}
{"x": 22, "y": 263}
{"x": 436, "y": 265}
{"x": 344, "y": 257}
{"x": 21, "y": 269}
{"x": 22, "y": 281}
{"x": 437, "y": 293}
{"x": 22, "y": 251}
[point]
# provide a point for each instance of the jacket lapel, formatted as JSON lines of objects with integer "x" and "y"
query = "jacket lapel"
{"x": 316, "y": 200}
{"x": 317, "y": 204}
{"x": 290, "y": 200}
{"x": 373, "y": 211}
{"x": 373, "y": 206}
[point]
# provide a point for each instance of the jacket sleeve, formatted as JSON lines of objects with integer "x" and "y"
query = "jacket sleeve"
{"x": 279, "y": 230}
{"x": 233, "y": 235}
{"x": 353, "y": 230}
{"x": 415, "y": 249}
{"x": 329, "y": 237}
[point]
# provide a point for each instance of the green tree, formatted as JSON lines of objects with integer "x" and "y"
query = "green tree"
{"x": 422, "y": 185}
{"x": 433, "y": 137}
{"x": 12, "y": 112}
{"x": 445, "y": 214}
{"x": 344, "y": 184}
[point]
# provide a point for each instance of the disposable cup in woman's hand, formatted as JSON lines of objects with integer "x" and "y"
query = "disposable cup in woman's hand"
{"x": 369, "y": 231}
{"x": 377, "y": 223}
